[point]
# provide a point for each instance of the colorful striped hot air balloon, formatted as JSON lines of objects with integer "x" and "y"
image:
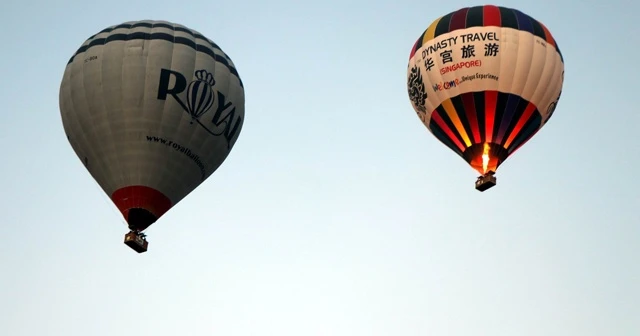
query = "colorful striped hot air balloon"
{"x": 152, "y": 109}
{"x": 484, "y": 80}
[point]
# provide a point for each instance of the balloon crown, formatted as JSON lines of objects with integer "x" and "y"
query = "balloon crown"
{"x": 205, "y": 76}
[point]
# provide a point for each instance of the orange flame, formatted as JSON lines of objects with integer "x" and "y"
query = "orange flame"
{"x": 485, "y": 158}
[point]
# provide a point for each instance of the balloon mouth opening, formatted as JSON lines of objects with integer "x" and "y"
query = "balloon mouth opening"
{"x": 140, "y": 205}
{"x": 485, "y": 157}
{"x": 140, "y": 219}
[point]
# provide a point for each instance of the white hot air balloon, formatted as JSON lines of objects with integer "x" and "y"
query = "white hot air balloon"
{"x": 152, "y": 109}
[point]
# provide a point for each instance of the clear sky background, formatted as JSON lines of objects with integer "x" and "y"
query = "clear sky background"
{"x": 337, "y": 212}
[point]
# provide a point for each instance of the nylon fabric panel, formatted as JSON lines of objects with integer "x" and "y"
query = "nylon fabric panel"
{"x": 493, "y": 78}
{"x": 116, "y": 117}
{"x": 484, "y": 59}
{"x": 553, "y": 90}
{"x": 519, "y": 120}
{"x": 486, "y": 70}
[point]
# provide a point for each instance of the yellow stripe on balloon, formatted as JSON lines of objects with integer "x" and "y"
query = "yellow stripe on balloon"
{"x": 453, "y": 115}
{"x": 430, "y": 33}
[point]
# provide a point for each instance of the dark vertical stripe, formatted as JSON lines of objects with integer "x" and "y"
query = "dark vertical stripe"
{"x": 442, "y": 113}
{"x": 415, "y": 47}
{"x": 527, "y": 131}
{"x": 437, "y": 120}
{"x": 492, "y": 16}
{"x": 207, "y": 98}
{"x": 475, "y": 17}
{"x": 524, "y": 21}
{"x": 522, "y": 120}
{"x": 537, "y": 29}
{"x": 420, "y": 40}
{"x": 458, "y": 105}
{"x": 203, "y": 92}
{"x": 459, "y": 19}
{"x": 441, "y": 135}
{"x": 490, "y": 102}
{"x": 191, "y": 98}
{"x": 515, "y": 149}
{"x": 508, "y": 18}
{"x": 502, "y": 100}
{"x": 192, "y": 95}
{"x": 478, "y": 99}
{"x": 443, "y": 25}
{"x": 470, "y": 111}
{"x": 513, "y": 113}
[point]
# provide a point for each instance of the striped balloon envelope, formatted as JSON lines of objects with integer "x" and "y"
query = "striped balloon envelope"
{"x": 484, "y": 80}
{"x": 152, "y": 109}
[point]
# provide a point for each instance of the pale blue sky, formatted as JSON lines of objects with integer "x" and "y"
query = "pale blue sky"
{"x": 337, "y": 212}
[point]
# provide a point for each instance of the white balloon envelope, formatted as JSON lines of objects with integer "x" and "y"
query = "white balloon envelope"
{"x": 152, "y": 109}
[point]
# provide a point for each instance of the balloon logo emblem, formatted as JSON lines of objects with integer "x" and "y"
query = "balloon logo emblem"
{"x": 417, "y": 92}
{"x": 202, "y": 98}
{"x": 200, "y": 94}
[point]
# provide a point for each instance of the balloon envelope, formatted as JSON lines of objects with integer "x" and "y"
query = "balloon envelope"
{"x": 484, "y": 80}
{"x": 152, "y": 109}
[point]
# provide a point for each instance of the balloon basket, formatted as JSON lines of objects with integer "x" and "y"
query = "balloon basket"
{"x": 136, "y": 241}
{"x": 486, "y": 181}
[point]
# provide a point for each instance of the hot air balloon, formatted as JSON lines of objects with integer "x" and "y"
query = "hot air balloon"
{"x": 484, "y": 80}
{"x": 152, "y": 109}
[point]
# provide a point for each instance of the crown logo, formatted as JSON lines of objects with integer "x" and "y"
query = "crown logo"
{"x": 205, "y": 76}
